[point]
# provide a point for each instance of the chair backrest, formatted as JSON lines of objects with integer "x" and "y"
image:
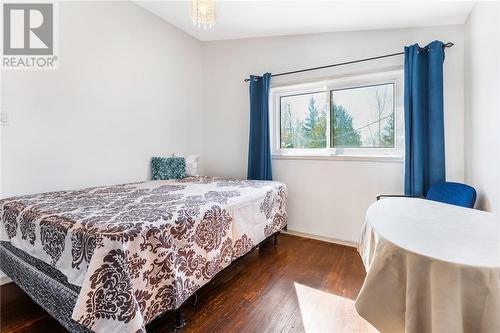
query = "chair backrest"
{"x": 452, "y": 193}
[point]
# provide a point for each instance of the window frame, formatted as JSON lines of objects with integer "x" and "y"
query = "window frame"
{"x": 395, "y": 154}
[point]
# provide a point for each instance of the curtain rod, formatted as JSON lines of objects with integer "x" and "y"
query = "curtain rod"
{"x": 449, "y": 44}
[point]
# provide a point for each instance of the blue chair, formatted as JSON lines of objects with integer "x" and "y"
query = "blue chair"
{"x": 448, "y": 192}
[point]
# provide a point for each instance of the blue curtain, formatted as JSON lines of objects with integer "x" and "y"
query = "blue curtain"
{"x": 259, "y": 150}
{"x": 424, "y": 120}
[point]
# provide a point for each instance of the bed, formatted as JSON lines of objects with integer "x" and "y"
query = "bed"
{"x": 126, "y": 254}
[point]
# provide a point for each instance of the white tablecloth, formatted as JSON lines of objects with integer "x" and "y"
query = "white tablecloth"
{"x": 431, "y": 267}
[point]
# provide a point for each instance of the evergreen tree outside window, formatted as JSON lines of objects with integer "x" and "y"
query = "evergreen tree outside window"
{"x": 363, "y": 117}
{"x": 344, "y": 134}
{"x": 304, "y": 121}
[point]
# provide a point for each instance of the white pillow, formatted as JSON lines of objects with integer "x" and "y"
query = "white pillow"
{"x": 191, "y": 164}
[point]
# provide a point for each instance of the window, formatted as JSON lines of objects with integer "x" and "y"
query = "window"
{"x": 303, "y": 120}
{"x": 351, "y": 117}
{"x": 363, "y": 116}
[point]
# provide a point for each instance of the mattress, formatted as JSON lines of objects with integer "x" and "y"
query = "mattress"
{"x": 45, "y": 285}
{"x": 138, "y": 250}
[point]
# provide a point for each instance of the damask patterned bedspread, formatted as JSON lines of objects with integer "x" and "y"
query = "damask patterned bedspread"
{"x": 138, "y": 250}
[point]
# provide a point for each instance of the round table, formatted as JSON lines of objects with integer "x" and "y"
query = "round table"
{"x": 431, "y": 267}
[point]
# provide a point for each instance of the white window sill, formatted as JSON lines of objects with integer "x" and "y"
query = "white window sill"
{"x": 329, "y": 157}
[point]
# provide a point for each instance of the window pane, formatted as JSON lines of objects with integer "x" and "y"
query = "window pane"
{"x": 303, "y": 121}
{"x": 363, "y": 117}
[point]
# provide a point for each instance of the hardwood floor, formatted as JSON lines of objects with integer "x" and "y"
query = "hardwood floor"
{"x": 300, "y": 285}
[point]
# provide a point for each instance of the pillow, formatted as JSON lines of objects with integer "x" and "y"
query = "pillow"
{"x": 163, "y": 168}
{"x": 191, "y": 164}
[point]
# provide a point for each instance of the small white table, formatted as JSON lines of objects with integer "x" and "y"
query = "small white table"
{"x": 431, "y": 267}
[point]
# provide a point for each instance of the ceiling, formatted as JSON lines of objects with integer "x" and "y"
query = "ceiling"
{"x": 248, "y": 19}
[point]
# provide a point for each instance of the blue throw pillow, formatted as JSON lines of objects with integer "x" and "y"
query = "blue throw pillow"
{"x": 163, "y": 168}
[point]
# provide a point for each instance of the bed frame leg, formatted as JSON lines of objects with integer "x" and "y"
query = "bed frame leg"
{"x": 179, "y": 321}
{"x": 276, "y": 239}
{"x": 195, "y": 303}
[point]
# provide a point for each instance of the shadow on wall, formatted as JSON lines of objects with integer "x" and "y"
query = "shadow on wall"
{"x": 483, "y": 202}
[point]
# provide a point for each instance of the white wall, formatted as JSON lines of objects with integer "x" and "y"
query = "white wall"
{"x": 326, "y": 198}
{"x": 482, "y": 107}
{"x": 133, "y": 86}
{"x": 128, "y": 87}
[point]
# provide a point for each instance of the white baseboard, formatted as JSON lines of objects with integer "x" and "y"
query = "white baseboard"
{"x": 4, "y": 280}
{"x": 321, "y": 238}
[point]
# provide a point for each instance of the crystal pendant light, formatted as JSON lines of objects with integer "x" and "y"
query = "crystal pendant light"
{"x": 203, "y": 13}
